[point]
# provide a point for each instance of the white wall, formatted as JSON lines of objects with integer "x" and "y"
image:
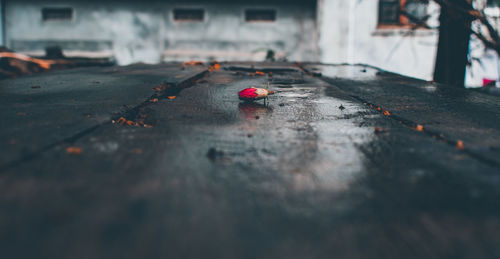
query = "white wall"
{"x": 333, "y": 29}
{"x": 111, "y": 27}
{"x": 226, "y": 36}
{"x": 144, "y": 31}
{"x": 348, "y": 33}
{"x": 1, "y": 24}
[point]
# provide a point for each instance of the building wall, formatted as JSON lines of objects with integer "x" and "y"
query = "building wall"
{"x": 335, "y": 31}
{"x": 227, "y": 36}
{"x": 330, "y": 31}
{"x": 348, "y": 32}
{"x": 1, "y": 23}
{"x": 144, "y": 31}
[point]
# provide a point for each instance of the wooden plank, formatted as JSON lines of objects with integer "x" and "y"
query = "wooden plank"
{"x": 299, "y": 177}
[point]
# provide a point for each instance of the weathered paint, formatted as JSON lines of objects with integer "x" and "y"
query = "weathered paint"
{"x": 2, "y": 29}
{"x": 348, "y": 32}
{"x": 333, "y": 31}
{"x": 136, "y": 32}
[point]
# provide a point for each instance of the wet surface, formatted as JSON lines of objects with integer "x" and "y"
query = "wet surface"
{"x": 296, "y": 177}
{"x": 444, "y": 112}
{"x": 42, "y": 110}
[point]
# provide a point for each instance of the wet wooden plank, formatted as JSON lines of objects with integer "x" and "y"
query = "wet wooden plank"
{"x": 44, "y": 109}
{"x": 218, "y": 178}
{"x": 457, "y": 116}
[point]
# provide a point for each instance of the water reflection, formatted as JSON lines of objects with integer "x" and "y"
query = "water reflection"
{"x": 311, "y": 145}
{"x": 345, "y": 71}
{"x": 254, "y": 110}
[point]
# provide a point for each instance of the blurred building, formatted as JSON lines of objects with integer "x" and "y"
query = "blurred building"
{"x": 152, "y": 30}
{"x": 375, "y": 32}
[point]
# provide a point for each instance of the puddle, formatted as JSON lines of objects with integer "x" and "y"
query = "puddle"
{"x": 253, "y": 110}
{"x": 294, "y": 95}
{"x": 345, "y": 71}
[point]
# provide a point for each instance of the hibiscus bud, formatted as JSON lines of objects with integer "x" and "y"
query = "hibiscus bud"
{"x": 252, "y": 94}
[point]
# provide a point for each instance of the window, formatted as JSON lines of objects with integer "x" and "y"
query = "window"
{"x": 493, "y": 3}
{"x": 189, "y": 15}
{"x": 401, "y": 12}
{"x": 57, "y": 14}
{"x": 260, "y": 15}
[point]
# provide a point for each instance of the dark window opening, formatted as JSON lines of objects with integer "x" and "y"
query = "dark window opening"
{"x": 189, "y": 15}
{"x": 402, "y": 12}
{"x": 389, "y": 12}
{"x": 57, "y": 14}
{"x": 260, "y": 15}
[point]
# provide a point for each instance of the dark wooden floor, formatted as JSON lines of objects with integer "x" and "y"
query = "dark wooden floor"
{"x": 405, "y": 169}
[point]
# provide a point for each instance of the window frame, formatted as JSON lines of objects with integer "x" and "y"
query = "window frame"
{"x": 192, "y": 8}
{"x": 403, "y": 21}
{"x": 273, "y": 10}
{"x": 45, "y": 8}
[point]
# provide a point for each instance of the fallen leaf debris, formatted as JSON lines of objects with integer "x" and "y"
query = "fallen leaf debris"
{"x": 379, "y": 130}
{"x": 125, "y": 122}
{"x": 73, "y": 150}
{"x": 214, "y": 67}
{"x": 192, "y": 63}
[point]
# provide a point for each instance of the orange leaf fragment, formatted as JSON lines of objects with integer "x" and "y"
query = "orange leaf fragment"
{"x": 387, "y": 113}
{"x": 192, "y": 63}
{"x": 460, "y": 144}
{"x": 171, "y": 97}
{"x": 379, "y": 130}
{"x": 378, "y": 108}
{"x": 121, "y": 120}
{"x": 216, "y": 66}
{"x": 130, "y": 123}
{"x": 259, "y": 73}
{"x": 73, "y": 150}
{"x": 420, "y": 128}
{"x": 154, "y": 100}
{"x": 160, "y": 88}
